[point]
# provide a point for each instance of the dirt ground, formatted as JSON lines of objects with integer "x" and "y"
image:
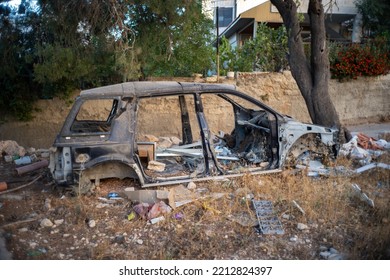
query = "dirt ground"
{"x": 322, "y": 218}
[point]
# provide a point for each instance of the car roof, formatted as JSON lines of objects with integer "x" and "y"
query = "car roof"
{"x": 131, "y": 89}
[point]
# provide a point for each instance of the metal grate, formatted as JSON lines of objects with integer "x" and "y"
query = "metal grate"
{"x": 268, "y": 221}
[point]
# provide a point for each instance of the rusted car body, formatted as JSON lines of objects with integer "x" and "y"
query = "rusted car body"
{"x": 219, "y": 132}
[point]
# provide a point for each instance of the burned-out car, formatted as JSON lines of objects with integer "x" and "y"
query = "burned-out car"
{"x": 163, "y": 133}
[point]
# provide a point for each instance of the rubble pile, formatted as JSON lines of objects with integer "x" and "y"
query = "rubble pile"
{"x": 24, "y": 160}
{"x": 11, "y": 149}
{"x": 363, "y": 150}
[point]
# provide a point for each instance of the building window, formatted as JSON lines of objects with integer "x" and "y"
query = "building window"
{"x": 225, "y": 16}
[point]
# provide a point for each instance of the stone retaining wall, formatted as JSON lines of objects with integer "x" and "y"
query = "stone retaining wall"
{"x": 364, "y": 100}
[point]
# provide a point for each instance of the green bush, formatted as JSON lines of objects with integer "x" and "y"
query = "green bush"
{"x": 268, "y": 51}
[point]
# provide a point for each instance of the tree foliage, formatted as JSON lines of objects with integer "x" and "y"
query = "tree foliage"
{"x": 266, "y": 52}
{"x": 376, "y": 16}
{"x": 171, "y": 37}
{"x": 51, "y": 47}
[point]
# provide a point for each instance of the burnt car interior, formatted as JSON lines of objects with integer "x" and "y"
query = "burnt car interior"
{"x": 239, "y": 140}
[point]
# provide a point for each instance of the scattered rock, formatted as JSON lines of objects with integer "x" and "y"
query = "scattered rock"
{"x": 323, "y": 248}
{"x": 335, "y": 257}
{"x": 330, "y": 254}
{"x": 325, "y": 254}
{"x": 175, "y": 141}
{"x": 8, "y": 158}
{"x": 301, "y": 226}
{"x": 11, "y": 148}
{"x": 120, "y": 239}
{"x": 59, "y": 222}
{"x": 47, "y": 206}
{"x": 294, "y": 239}
{"x": 23, "y": 229}
{"x": 164, "y": 142}
{"x": 149, "y": 138}
{"x": 191, "y": 186}
{"x": 92, "y": 223}
{"x": 286, "y": 216}
{"x": 333, "y": 251}
{"x": 4, "y": 253}
{"x": 156, "y": 166}
{"x": 139, "y": 241}
{"x": 46, "y": 223}
{"x": 244, "y": 193}
{"x": 45, "y": 154}
{"x": 33, "y": 244}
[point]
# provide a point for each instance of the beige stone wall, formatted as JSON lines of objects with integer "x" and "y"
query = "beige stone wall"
{"x": 359, "y": 101}
{"x": 366, "y": 99}
{"x": 277, "y": 90}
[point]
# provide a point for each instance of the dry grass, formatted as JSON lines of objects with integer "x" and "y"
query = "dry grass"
{"x": 337, "y": 217}
{"x": 208, "y": 229}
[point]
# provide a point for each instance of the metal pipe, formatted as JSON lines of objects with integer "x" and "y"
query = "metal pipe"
{"x": 31, "y": 167}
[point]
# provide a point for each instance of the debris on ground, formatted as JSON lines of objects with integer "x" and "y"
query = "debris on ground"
{"x": 4, "y": 253}
{"x": 31, "y": 167}
{"x": 156, "y": 166}
{"x": 245, "y": 219}
{"x": 160, "y": 208}
{"x": 369, "y": 143}
{"x": 371, "y": 166}
{"x": 352, "y": 150}
{"x": 3, "y": 186}
{"x": 314, "y": 168}
{"x": 330, "y": 254}
{"x": 363, "y": 150}
{"x": 298, "y": 207}
{"x": 151, "y": 211}
{"x": 85, "y": 230}
{"x": 301, "y": 226}
{"x": 22, "y": 186}
{"x": 11, "y": 148}
{"x": 181, "y": 195}
{"x": 23, "y": 160}
{"x": 268, "y": 221}
{"x": 146, "y": 196}
{"x": 363, "y": 197}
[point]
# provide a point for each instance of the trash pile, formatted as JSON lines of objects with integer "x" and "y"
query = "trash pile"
{"x": 25, "y": 160}
{"x": 153, "y": 205}
{"x": 363, "y": 150}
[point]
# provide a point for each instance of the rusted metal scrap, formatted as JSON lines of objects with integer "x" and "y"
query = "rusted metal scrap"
{"x": 367, "y": 142}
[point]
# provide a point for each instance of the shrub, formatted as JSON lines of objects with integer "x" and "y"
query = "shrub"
{"x": 355, "y": 60}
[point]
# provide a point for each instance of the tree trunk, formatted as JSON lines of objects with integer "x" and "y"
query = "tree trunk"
{"x": 312, "y": 77}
